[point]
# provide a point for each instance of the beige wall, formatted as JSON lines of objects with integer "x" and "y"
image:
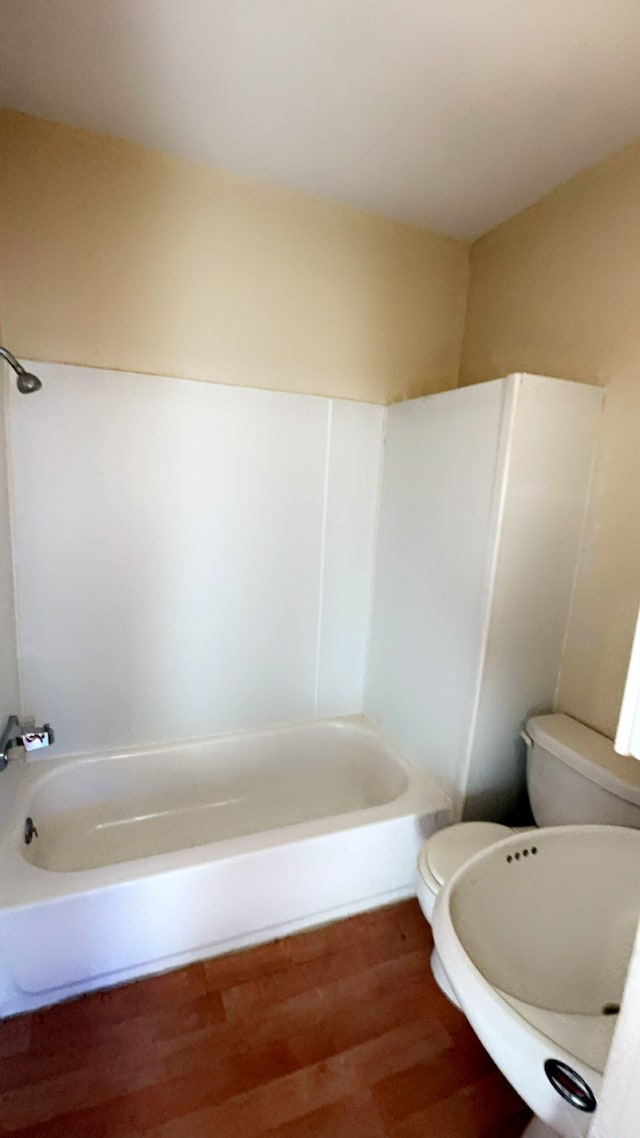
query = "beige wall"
{"x": 121, "y": 257}
{"x": 557, "y": 290}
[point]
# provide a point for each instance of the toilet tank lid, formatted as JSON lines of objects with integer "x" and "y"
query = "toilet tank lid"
{"x": 588, "y": 752}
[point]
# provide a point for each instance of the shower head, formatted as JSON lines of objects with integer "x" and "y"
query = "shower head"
{"x": 26, "y": 381}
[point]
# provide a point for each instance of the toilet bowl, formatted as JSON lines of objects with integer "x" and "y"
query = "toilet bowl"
{"x": 573, "y": 776}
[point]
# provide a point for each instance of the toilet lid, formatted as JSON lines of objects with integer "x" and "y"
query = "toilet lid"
{"x": 447, "y": 850}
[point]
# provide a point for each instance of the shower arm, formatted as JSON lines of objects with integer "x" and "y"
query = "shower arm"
{"x": 11, "y": 359}
{"x": 27, "y": 382}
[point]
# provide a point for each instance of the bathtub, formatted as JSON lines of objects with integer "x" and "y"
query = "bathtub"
{"x": 151, "y": 858}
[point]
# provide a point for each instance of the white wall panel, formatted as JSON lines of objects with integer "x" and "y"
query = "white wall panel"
{"x": 168, "y": 548}
{"x": 353, "y": 479}
{"x": 483, "y": 500}
{"x": 428, "y": 615}
{"x": 9, "y": 700}
{"x": 547, "y": 474}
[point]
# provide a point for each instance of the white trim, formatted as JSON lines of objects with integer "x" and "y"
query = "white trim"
{"x": 5, "y": 379}
{"x": 499, "y": 496}
{"x": 382, "y": 448}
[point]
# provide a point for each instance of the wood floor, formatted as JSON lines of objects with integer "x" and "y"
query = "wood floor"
{"x": 336, "y": 1033}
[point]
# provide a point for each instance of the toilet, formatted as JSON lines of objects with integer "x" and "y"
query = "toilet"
{"x": 573, "y": 776}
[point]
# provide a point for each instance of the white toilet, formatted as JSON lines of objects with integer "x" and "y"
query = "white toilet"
{"x": 573, "y": 776}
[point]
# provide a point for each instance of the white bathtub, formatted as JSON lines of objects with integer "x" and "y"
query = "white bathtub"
{"x": 152, "y": 858}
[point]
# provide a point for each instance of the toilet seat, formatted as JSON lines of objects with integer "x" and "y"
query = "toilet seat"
{"x": 444, "y": 853}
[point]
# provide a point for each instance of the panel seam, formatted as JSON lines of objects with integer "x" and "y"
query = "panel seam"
{"x": 323, "y": 551}
{"x": 375, "y": 543}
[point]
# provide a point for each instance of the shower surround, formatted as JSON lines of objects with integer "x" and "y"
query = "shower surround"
{"x": 196, "y": 562}
{"x": 190, "y": 558}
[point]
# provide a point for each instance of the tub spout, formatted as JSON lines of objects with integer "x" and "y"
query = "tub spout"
{"x": 31, "y": 738}
{"x": 8, "y": 738}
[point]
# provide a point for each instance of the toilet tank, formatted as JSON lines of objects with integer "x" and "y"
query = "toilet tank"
{"x": 575, "y": 776}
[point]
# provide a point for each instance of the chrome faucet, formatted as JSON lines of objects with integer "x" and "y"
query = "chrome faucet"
{"x": 31, "y": 738}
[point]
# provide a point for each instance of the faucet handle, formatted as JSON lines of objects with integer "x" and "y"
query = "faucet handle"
{"x": 38, "y": 737}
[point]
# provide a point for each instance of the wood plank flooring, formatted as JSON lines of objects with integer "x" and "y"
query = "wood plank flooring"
{"x": 336, "y": 1033}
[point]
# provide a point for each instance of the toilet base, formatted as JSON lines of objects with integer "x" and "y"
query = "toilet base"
{"x": 538, "y": 1129}
{"x": 442, "y": 980}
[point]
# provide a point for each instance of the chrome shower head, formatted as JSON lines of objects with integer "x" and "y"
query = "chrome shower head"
{"x": 26, "y": 381}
